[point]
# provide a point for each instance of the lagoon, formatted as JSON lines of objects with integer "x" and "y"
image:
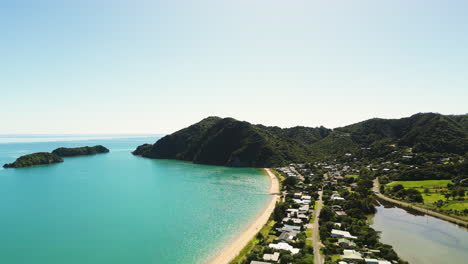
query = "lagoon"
{"x": 120, "y": 208}
{"x": 421, "y": 239}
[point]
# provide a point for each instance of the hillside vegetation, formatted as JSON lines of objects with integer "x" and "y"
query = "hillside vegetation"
{"x": 80, "y": 151}
{"x": 39, "y": 158}
{"x": 229, "y": 142}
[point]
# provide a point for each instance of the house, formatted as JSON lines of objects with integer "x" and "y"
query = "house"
{"x": 298, "y": 195}
{"x": 303, "y": 217}
{"x": 284, "y": 246}
{"x": 351, "y": 254}
{"x": 287, "y": 236}
{"x": 304, "y": 209}
{"x": 292, "y": 211}
{"x": 341, "y": 234}
{"x": 296, "y": 221}
{"x": 290, "y": 228}
{"x": 258, "y": 262}
{"x": 346, "y": 243}
{"x": 272, "y": 257}
{"x": 338, "y": 198}
{"x": 340, "y": 213}
{"x": 376, "y": 261}
{"x": 336, "y": 207}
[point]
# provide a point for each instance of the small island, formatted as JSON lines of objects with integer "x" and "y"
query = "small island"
{"x": 80, "y": 151}
{"x": 39, "y": 158}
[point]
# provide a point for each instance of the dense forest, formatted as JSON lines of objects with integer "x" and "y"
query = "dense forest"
{"x": 229, "y": 142}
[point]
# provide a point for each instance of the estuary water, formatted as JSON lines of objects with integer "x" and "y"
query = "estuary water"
{"x": 119, "y": 208}
{"x": 421, "y": 239}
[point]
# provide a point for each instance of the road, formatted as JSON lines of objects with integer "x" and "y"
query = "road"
{"x": 297, "y": 173}
{"x": 315, "y": 231}
{"x": 422, "y": 210}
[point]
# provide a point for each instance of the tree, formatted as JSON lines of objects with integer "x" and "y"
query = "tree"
{"x": 290, "y": 181}
{"x": 326, "y": 214}
{"x": 446, "y": 195}
{"x": 280, "y": 212}
{"x": 460, "y": 192}
{"x": 397, "y": 188}
{"x": 414, "y": 196}
{"x": 285, "y": 259}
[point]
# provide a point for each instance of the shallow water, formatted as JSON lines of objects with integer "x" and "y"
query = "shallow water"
{"x": 422, "y": 239}
{"x": 119, "y": 208}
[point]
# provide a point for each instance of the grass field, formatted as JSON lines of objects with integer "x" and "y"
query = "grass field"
{"x": 434, "y": 193}
{"x": 456, "y": 205}
{"x": 432, "y": 197}
{"x": 433, "y": 186}
{"x": 352, "y": 176}
{"x": 430, "y": 184}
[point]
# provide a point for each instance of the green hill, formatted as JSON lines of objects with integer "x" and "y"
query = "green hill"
{"x": 229, "y": 142}
{"x": 424, "y": 132}
{"x": 39, "y": 158}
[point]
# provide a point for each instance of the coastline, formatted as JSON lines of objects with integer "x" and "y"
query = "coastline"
{"x": 232, "y": 250}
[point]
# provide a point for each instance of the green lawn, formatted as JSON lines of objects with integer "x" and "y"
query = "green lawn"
{"x": 432, "y": 197}
{"x": 352, "y": 176}
{"x": 435, "y": 188}
{"x": 430, "y": 184}
{"x": 456, "y": 205}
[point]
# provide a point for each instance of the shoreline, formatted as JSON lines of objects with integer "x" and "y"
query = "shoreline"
{"x": 440, "y": 216}
{"x": 228, "y": 253}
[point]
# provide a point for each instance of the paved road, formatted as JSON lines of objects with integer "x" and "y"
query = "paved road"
{"x": 315, "y": 232}
{"x": 422, "y": 210}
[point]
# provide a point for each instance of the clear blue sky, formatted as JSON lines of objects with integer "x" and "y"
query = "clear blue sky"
{"x": 156, "y": 66}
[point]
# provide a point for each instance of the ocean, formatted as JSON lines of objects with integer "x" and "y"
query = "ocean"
{"x": 119, "y": 208}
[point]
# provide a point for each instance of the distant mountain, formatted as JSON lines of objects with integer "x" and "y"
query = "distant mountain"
{"x": 229, "y": 142}
{"x": 80, "y": 151}
{"x": 39, "y": 158}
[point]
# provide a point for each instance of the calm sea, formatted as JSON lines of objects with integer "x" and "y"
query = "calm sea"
{"x": 119, "y": 208}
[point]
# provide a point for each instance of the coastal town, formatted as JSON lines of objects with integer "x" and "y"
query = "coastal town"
{"x": 323, "y": 215}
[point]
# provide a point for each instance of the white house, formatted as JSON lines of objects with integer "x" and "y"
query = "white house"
{"x": 351, "y": 254}
{"x": 272, "y": 257}
{"x": 284, "y": 246}
{"x": 376, "y": 261}
{"x": 342, "y": 234}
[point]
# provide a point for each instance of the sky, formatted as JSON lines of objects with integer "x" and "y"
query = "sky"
{"x": 140, "y": 66}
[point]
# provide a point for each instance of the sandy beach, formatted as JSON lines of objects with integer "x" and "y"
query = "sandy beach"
{"x": 232, "y": 250}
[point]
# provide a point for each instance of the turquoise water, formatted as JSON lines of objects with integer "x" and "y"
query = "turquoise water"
{"x": 119, "y": 208}
{"x": 422, "y": 239}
